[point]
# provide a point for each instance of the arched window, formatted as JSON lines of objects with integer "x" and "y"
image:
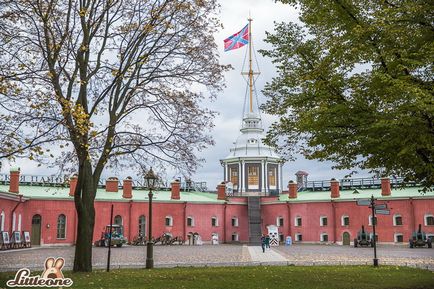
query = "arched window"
{"x": 429, "y": 220}
{"x": 323, "y": 221}
{"x": 214, "y": 222}
{"x": 324, "y": 237}
{"x": 190, "y": 221}
{"x": 235, "y": 237}
{"x": 2, "y": 221}
{"x": 61, "y": 226}
{"x": 169, "y": 221}
{"x": 398, "y": 238}
{"x": 297, "y": 222}
{"x": 142, "y": 225}
{"x": 118, "y": 220}
{"x": 397, "y": 220}
{"x": 345, "y": 220}
{"x": 234, "y": 222}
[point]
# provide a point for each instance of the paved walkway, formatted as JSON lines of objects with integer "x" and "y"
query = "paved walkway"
{"x": 269, "y": 255}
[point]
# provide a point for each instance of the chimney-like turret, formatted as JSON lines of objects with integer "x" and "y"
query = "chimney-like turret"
{"x": 385, "y": 187}
{"x": 292, "y": 187}
{"x": 112, "y": 185}
{"x": 221, "y": 191}
{"x": 14, "y": 185}
{"x": 176, "y": 190}
{"x": 72, "y": 184}
{"x": 334, "y": 188}
{"x": 127, "y": 188}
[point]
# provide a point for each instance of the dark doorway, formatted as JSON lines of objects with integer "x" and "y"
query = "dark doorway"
{"x": 346, "y": 239}
{"x": 35, "y": 237}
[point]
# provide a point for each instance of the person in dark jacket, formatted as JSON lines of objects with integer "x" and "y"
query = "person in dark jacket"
{"x": 267, "y": 241}
{"x": 263, "y": 243}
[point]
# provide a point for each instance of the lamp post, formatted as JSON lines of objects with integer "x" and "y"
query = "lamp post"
{"x": 150, "y": 182}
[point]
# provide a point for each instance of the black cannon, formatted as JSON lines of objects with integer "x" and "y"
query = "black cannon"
{"x": 363, "y": 239}
{"x": 419, "y": 239}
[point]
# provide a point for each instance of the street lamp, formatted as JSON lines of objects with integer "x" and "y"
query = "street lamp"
{"x": 150, "y": 183}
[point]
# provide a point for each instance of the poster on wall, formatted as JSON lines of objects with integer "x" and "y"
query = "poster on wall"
{"x": 16, "y": 237}
{"x": 5, "y": 238}
{"x": 26, "y": 237}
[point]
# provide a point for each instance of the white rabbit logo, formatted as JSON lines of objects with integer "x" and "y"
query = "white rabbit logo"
{"x": 53, "y": 269}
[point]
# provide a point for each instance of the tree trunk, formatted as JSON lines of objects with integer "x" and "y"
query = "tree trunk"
{"x": 84, "y": 204}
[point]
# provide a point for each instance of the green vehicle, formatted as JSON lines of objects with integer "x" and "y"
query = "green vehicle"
{"x": 117, "y": 237}
{"x": 419, "y": 239}
{"x": 363, "y": 239}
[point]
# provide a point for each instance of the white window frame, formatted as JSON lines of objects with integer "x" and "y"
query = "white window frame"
{"x": 19, "y": 222}
{"x": 297, "y": 237}
{"x": 216, "y": 221}
{"x": 395, "y": 237}
{"x": 2, "y": 225}
{"x": 236, "y": 239}
{"x": 278, "y": 221}
{"x": 394, "y": 219}
{"x": 170, "y": 221}
{"x": 14, "y": 219}
{"x": 343, "y": 222}
{"x": 322, "y": 237}
{"x": 234, "y": 224}
{"x": 296, "y": 223}
{"x": 192, "y": 221}
{"x": 321, "y": 221}
{"x": 426, "y": 219}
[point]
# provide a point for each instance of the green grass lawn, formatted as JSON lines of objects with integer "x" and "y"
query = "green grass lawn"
{"x": 333, "y": 277}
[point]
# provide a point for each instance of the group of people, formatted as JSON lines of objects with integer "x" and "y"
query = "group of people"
{"x": 265, "y": 242}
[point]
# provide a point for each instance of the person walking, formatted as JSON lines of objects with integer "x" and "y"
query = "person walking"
{"x": 267, "y": 241}
{"x": 263, "y": 243}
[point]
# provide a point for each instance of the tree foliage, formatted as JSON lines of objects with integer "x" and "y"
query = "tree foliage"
{"x": 355, "y": 85}
{"x": 91, "y": 83}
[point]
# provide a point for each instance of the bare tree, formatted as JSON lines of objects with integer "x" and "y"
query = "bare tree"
{"x": 108, "y": 82}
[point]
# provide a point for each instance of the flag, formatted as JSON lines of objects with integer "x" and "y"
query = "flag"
{"x": 237, "y": 40}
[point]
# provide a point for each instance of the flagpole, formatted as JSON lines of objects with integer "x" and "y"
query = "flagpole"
{"x": 250, "y": 65}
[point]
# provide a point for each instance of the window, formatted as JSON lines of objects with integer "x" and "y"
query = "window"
{"x": 233, "y": 172}
{"x": 214, "y": 222}
{"x": 399, "y": 238}
{"x": 142, "y": 225}
{"x": 324, "y": 237}
{"x": 370, "y": 220}
{"x": 169, "y": 221}
{"x": 61, "y": 226}
{"x": 190, "y": 222}
{"x": 281, "y": 238}
{"x": 234, "y": 222}
{"x": 272, "y": 176}
{"x": 235, "y": 237}
{"x": 297, "y": 222}
{"x": 253, "y": 177}
{"x": 429, "y": 220}
{"x": 279, "y": 221}
{"x": 345, "y": 221}
{"x": 397, "y": 220}
{"x": 323, "y": 221}
{"x": 298, "y": 237}
{"x": 118, "y": 220}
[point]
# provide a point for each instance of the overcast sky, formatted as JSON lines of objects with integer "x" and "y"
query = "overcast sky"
{"x": 229, "y": 104}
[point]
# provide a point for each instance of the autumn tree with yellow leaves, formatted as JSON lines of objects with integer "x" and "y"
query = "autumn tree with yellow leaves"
{"x": 108, "y": 82}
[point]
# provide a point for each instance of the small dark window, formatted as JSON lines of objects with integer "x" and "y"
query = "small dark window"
{"x": 298, "y": 222}
{"x": 399, "y": 239}
{"x": 430, "y": 221}
{"x": 234, "y": 237}
{"x": 346, "y": 221}
{"x": 118, "y": 220}
{"x": 214, "y": 222}
{"x": 325, "y": 238}
{"x": 280, "y": 222}
{"x": 169, "y": 221}
{"x": 299, "y": 237}
{"x": 324, "y": 221}
{"x": 189, "y": 221}
{"x": 234, "y": 222}
{"x": 281, "y": 238}
{"x": 398, "y": 221}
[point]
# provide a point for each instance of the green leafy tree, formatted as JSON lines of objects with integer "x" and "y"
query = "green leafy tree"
{"x": 354, "y": 85}
{"x": 86, "y": 84}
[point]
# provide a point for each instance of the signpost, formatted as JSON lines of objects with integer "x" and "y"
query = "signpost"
{"x": 382, "y": 212}
{"x": 380, "y": 209}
